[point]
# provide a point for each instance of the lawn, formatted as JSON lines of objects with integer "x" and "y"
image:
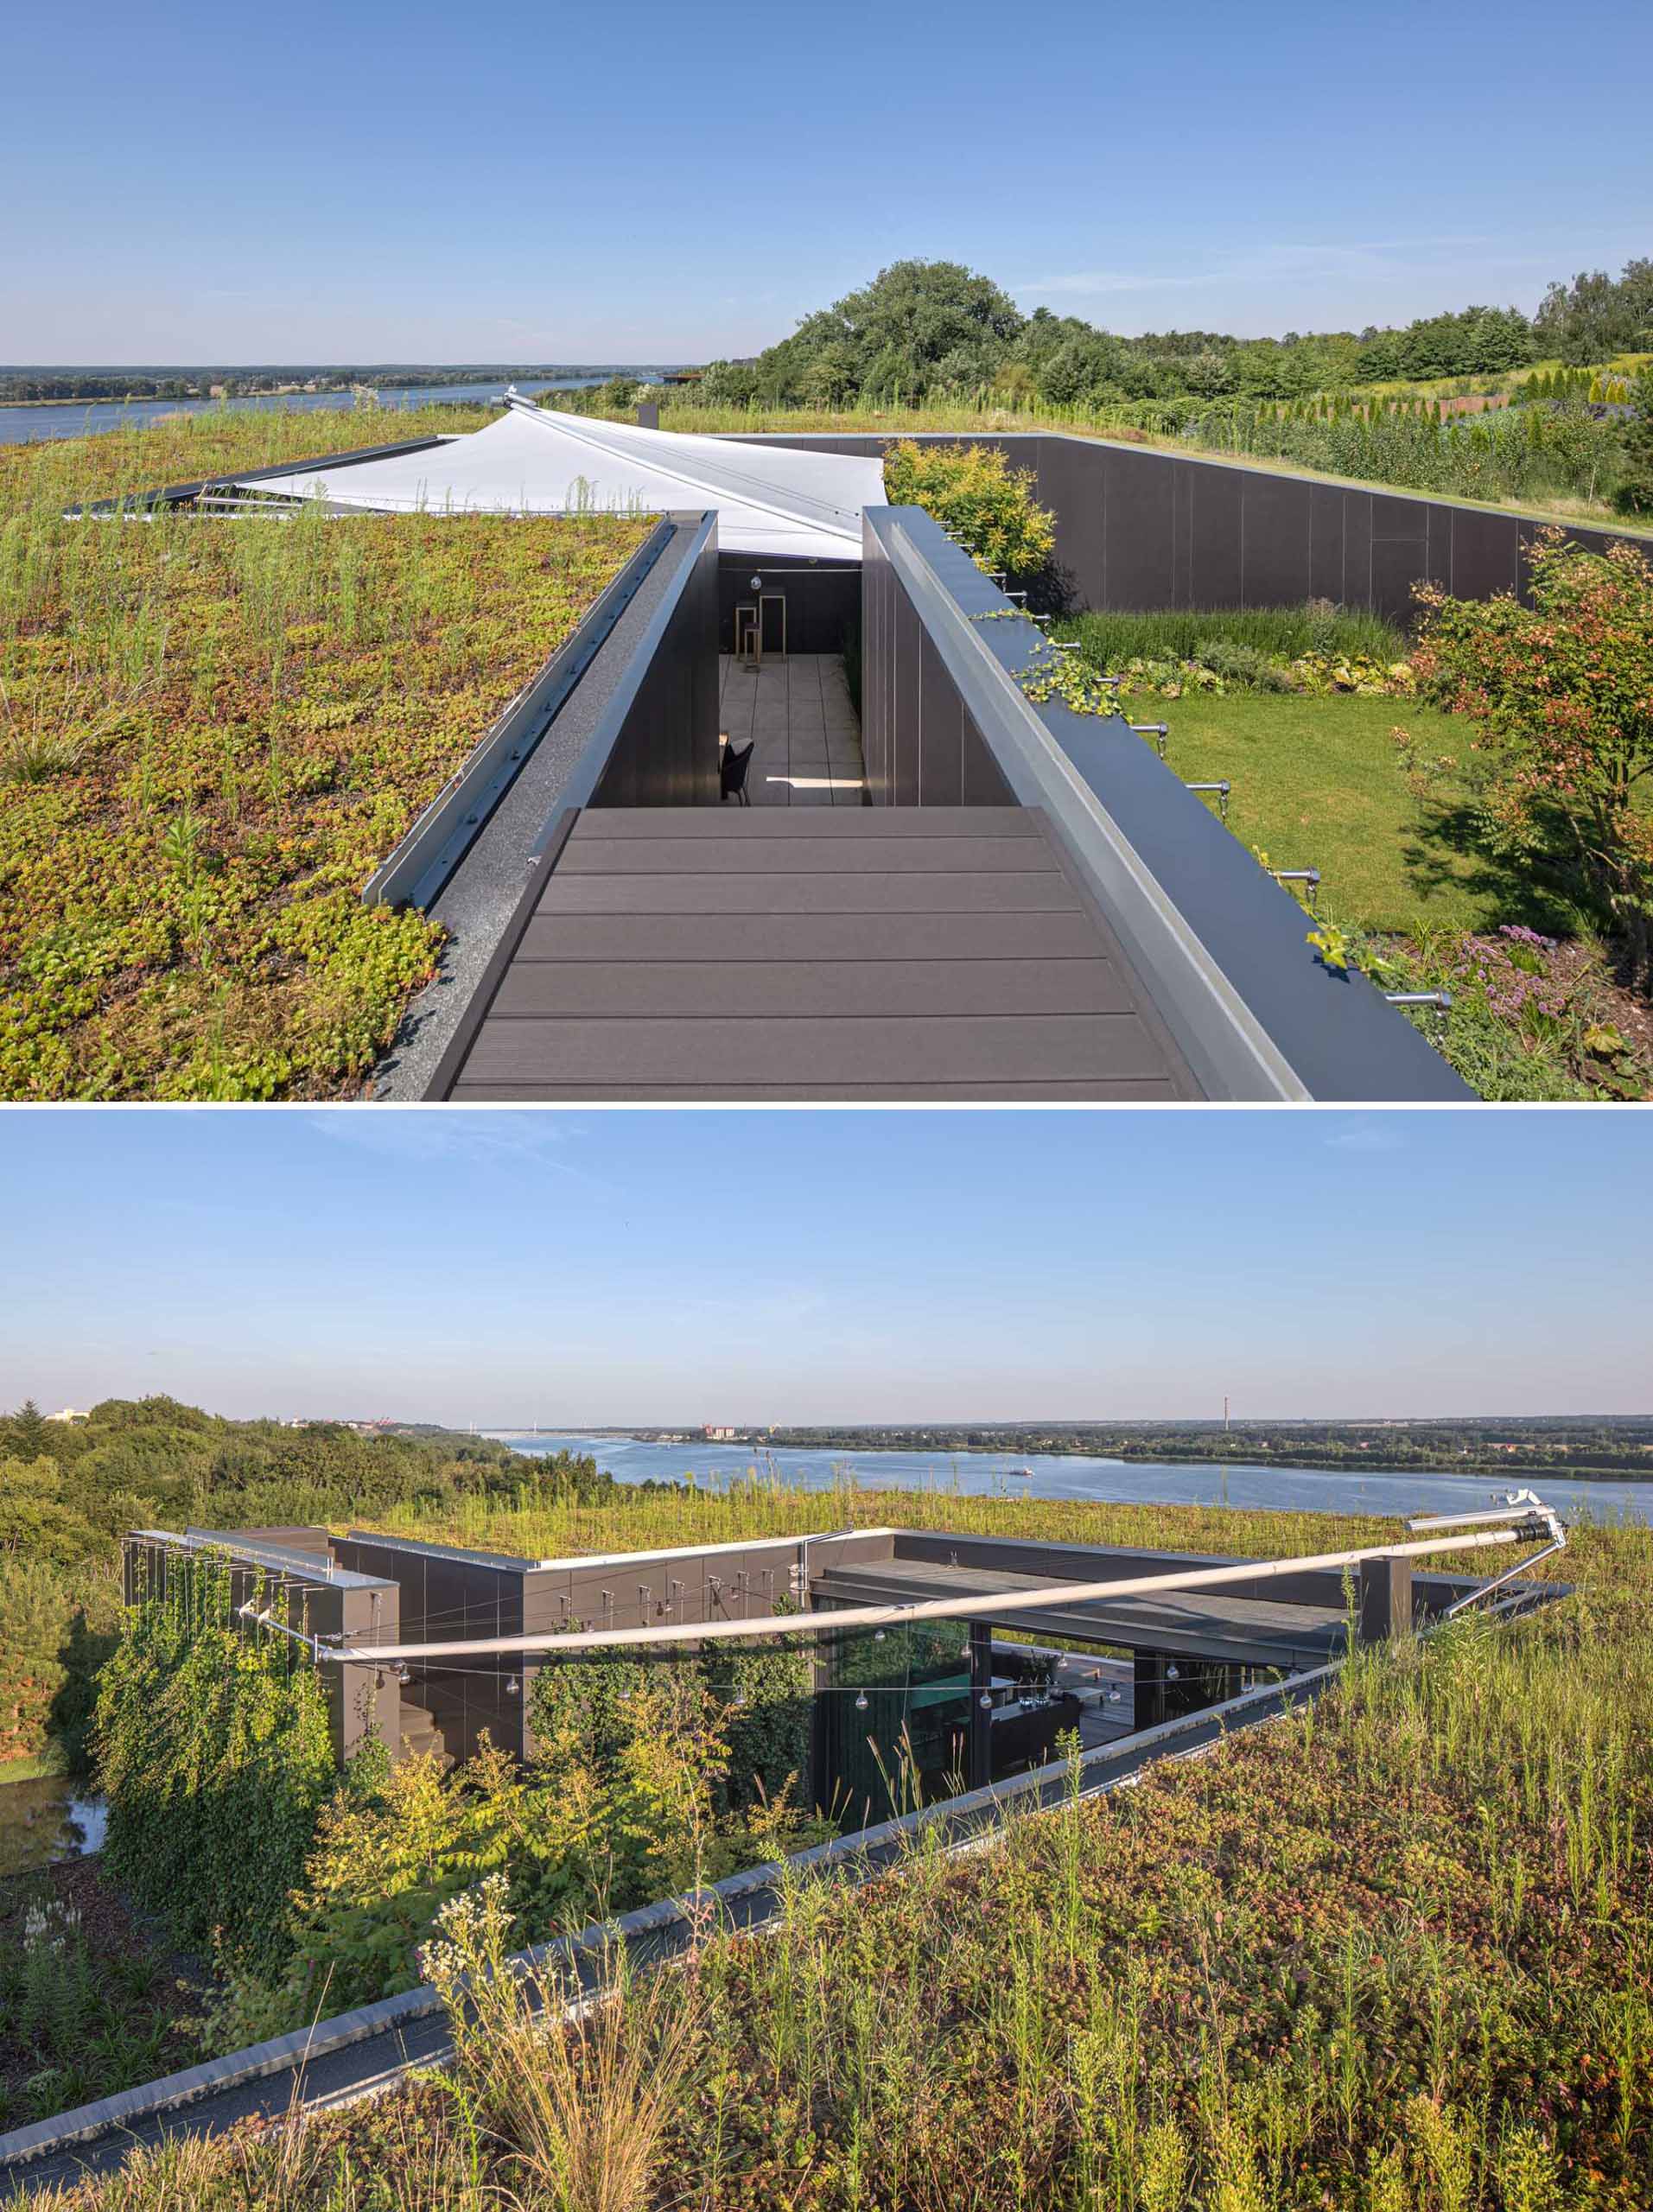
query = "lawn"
{"x": 211, "y": 732}
{"x": 1317, "y": 784}
{"x": 1391, "y": 1955}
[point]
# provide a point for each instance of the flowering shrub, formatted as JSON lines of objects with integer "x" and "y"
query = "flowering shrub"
{"x": 1563, "y": 693}
{"x": 974, "y": 490}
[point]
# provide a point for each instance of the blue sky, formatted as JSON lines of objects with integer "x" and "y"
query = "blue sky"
{"x": 677, "y": 1267}
{"x": 196, "y": 183}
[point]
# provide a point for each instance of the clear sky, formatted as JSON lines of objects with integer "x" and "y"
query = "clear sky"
{"x": 667, "y": 1267}
{"x": 197, "y": 183}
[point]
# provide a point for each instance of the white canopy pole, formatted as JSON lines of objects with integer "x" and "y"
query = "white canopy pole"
{"x": 937, "y": 1609}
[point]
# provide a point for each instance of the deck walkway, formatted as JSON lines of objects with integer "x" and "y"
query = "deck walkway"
{"x": 844, "y": 952}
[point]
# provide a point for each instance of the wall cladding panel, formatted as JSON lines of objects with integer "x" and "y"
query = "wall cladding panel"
{"x": 1326, "y": 541}
{"x": 1214, "y": 568}
{"x": 1275, "y": 542}
{"x": 1138, "y": 531}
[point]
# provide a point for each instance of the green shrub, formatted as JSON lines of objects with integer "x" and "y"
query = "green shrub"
{"x": 973, "y": 490}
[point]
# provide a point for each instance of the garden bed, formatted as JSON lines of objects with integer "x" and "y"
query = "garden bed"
{"x": 212, "y": 731}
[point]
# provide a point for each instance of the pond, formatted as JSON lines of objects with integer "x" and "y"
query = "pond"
{"x": 45, "y": 1821}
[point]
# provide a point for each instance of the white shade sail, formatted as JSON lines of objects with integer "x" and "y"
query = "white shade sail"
{"x": 770, "y": 500}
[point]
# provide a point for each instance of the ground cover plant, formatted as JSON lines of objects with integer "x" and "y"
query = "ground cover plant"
{"x": 211, "y": 732}
{"x": 1388, "y": 1955}
{"x": 89, "y": 2003}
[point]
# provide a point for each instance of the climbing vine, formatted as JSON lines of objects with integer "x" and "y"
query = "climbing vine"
{"x": 214, "y": 1749}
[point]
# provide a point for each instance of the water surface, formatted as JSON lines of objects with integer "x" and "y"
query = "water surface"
{"x": 1052, "y": 1475}
{"x": 79, "y": 418}
{"x": 43, "y": 1821}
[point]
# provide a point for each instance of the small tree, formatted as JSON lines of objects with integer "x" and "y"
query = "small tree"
{"x": 1563, "y": 693}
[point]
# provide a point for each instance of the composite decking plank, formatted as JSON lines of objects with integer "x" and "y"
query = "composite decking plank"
{"x": 873, "y": 954}
{"x": 641, "y": 823}
{"x": 761, "y": 856}
{"x": 619, "y": 990}
{"x": 1146, "y": 1091}
{"x": 1030, "y": 1048}
{"x": 856, "y": 937}
{"x": 1023, "y": 892}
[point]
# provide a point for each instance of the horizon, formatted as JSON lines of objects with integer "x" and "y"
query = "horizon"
{"x": 818, "y": 1268}
{"x": 548, "y": 216}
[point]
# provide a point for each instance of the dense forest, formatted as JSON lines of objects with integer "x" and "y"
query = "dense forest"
{"x": 923, "y": 328}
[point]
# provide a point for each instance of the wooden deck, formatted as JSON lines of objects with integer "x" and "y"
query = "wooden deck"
{"x": 720, "y": 952}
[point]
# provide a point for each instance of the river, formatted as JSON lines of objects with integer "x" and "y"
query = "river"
{"x": 1060, "y": 1476}
{"x": 79, "y": 418}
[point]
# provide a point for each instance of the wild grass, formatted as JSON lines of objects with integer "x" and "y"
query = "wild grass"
{"x": 1389, "y": 1954}
{"x": 214, "y": 730}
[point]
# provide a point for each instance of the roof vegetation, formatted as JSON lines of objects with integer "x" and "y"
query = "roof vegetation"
{"x": 211, "y": 733}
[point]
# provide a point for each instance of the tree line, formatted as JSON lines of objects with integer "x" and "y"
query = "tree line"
{"x": 923, "y": 328}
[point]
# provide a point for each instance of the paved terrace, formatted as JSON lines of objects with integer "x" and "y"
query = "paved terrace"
{"x": 796, "y": 715}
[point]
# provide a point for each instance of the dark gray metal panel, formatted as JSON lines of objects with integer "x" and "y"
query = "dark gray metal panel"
{"x": 1357, "y": 548}
{"x": 1138, "y": 529}
{"x": 665, "y": 751}
{"x": 1326, "y": 541}
{"x": 823, "y": 598}
{"x": 943, "y": 742}
{"x": 1215, "y": 568}
{"x": 1485, "y": 553}
{"x": 984, "y": 785}
{"x": 906, "y": 722}
{"x": 1275, "y": 540}
{"x": 1399, "y": 553}
{"x": 1437, "y": 558}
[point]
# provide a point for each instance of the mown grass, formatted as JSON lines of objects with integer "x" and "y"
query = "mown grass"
{"x": 1317, "y": 782}
{"x": 1390, "y": 1955}
{"x": 211, "y": 732}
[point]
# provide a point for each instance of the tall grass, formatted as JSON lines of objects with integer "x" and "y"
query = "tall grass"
{"x": 1178, "y": 633}
{"x": 1388, "y": 1955}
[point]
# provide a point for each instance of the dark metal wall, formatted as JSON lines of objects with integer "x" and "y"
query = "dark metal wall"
{"x": 665, "y": 752}
{"x": 823, "y": 600}
{"x": 444, "y": 1596}
{"x": 1139, "y": 528}
{"x": 921, "y": 746}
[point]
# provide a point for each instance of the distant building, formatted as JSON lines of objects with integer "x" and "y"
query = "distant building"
{"x": 720, "y": 1435}
{"x": 69, "y": 1415}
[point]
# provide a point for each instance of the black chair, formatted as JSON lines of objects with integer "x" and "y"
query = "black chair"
{"x": 737, "y": 759}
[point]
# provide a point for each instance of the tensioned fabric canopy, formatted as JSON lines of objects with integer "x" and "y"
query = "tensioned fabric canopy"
{"x": 770, "y": 500}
